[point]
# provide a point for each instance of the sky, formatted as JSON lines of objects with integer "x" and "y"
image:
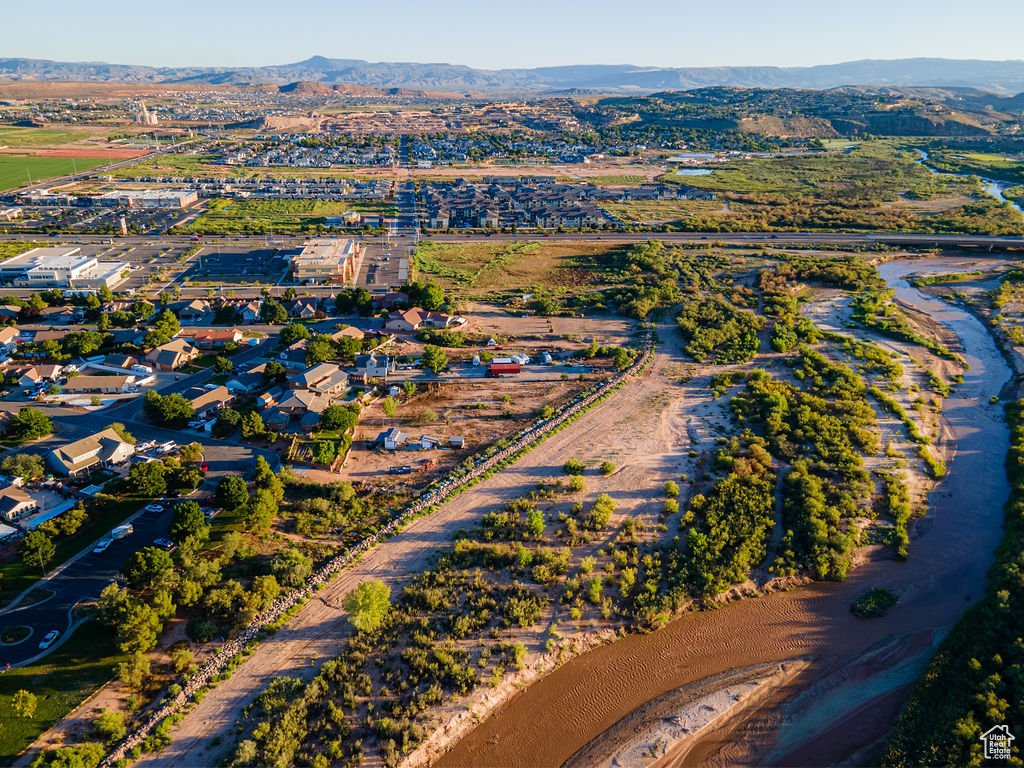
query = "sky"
{"x": 493, "y": 34}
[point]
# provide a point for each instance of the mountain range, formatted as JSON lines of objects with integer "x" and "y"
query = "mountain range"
{"x": 998, "y": 76}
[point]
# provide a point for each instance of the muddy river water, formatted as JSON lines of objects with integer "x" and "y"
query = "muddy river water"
{"x": 846, "y": 699}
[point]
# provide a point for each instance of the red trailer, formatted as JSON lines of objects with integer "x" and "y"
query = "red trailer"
{"x": 503, "y": 369}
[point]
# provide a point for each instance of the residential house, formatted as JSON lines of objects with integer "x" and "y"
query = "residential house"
{"x": 349, "y": 332}
{"x": 206, "y": 403}
{"x": 49, "y": 371}
{"x": 248, "y": 311}
{"x": 415, "y": 318}
{"x": 105, "y": 449}
{"x": 294, "y": 356}
{"x": 301, "y": 309}
{"x": 374, "y": 366}
{"x": 191, "y": 311}
{"x": 25, "y": 375}
{"x": 457, "y": 441}
{"x": 217, "y": 338}
{"x": 276, "y": 420}
{"x": 172, "y": 355}
{"x": 325, "y": 378}
{"x": 15, "y": 503}
{"x": 98, "y": 385}
{"x": 9, "y": 335}
{"x": 391, "y": 439}
{"x": 269, "y": 398}
{"x": 9, "y": 312}
{"x": 247, "y": 382}
{"x": 131, "y": 337}
{"x": 118, "y": 360}
{"x": 300, "y": 401}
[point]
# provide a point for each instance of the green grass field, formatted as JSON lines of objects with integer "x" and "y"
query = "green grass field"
{"x": 17, "y": 171}
{"x": 60, "y": 682}
{"x": 10, "y": 250}
{"x": 15, "y": 136}
{"x": 479, "y": 269}
{"x": 259, "y": 216}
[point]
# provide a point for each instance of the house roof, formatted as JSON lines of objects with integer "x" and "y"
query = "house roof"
{"x": 90, "y": 450}
{"x": 11, "y": 498}
{"x": 216, "y": 396}
{"x": 97, "y": 382}
{"x": 304, "y": 400}
{"x": 321, "y": 377}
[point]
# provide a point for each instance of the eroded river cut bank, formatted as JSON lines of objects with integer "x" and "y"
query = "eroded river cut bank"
{"x": 854, "y": 674}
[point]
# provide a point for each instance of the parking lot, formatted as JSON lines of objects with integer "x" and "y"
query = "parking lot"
{"x": 88, "y": 219}
{"x": 237, "y": 264}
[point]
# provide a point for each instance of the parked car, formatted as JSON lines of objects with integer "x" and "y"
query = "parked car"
{"x": 154, "y": 507}
{"x": 50, "y": 639}
{"x": 163, "y": 543}
{"x": 101, "y": 546}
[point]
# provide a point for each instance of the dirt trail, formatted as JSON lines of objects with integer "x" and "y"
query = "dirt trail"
{"x": 847, "y": 697}
{"x": 319, "y": 629}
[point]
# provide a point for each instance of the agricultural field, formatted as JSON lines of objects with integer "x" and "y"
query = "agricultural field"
{"x": 14, "y": 136}
{"x": 480, "y": 269}
{"x": 17, "y": 171}
{"x": 259, "y": 216}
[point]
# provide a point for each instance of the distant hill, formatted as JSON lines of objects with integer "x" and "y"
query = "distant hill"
{"x": 1006, "y": 77}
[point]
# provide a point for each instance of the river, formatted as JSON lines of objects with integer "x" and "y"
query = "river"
{"x": 846, "y": 700}
{"x": 994, "y": 187}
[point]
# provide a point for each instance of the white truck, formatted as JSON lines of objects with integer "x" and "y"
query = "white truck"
{"x": 121, "y": 531}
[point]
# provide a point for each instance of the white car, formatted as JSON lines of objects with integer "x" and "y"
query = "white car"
{"x": 101, "y": 546}
{"x": 154, "y": 507}
{"x": 49, "y": 640}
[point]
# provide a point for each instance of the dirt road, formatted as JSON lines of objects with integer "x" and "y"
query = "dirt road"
{"x": 318, "y": 631}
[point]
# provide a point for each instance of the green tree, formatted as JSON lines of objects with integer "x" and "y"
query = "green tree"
{"x": 324, "y": 451}
{"x": 82, "y": 343}
{"x": 339, "y": 417}
{"x": 292, "y": 567}
{"x": 261, "y": 511}
{"x": 24, "y": 704}
{"x": 292, "y": 333}
{"x": 29, "y": 424}
{"x": 37, "y": 549}
{"x": 390, "y": 406}
{"x": 273, "y": 371}
{"x": 573, "y": 467}
{"x": 134, "y": 671}
{"x": 231, "y": 492}
{"x": 71, "y": 521}
{"x": 601, "y": 513}
{"x": 222, "y": 365}
{"x": 173, "y": 410}
{"x": 123, "y": 433}
{"x": 671, "y": 489}
{"x": 228, "y": 422}
{"x": 606, "y": 468}
{"x": 265, "y": 478}
{"x": 320, "y": 349}
{"x": 252, "y": 425}
{"x": 111, "y": 726}
{"x": 368, "y": 604}
{"x": 25, "y": 465}
{"x": 434, "y": 358}
{"x": 148, "y": 567}
{"x": 273, "y": 312}
{"x": 148, "y": 479}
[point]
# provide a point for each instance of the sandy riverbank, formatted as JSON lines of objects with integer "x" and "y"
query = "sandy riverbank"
{"x": 662, "y": 732}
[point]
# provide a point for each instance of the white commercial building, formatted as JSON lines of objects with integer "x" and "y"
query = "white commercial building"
{"x": 326, "y": 261}
{"x": 61, "y": 267}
